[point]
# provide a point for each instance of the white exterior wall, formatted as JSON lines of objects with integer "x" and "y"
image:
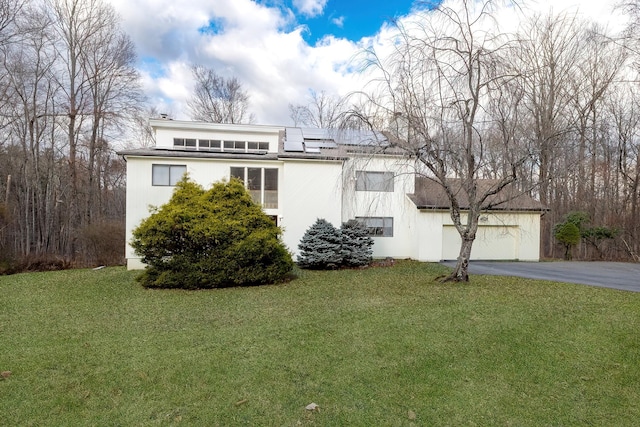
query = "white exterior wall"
{"x": 383, "y": 204}
{"x": 141, "y": 194}
{"x": 309, "y": 190}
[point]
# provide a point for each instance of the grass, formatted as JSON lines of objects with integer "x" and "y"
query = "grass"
{"x": 384, "y": 347}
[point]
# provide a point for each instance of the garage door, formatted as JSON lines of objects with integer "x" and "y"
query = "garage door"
{"x": 492, "y": 243}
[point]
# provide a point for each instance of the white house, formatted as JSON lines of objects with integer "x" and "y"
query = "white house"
{"x": 299, "y": 175}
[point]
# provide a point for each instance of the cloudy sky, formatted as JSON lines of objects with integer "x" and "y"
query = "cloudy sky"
{"x": 279, "y": 49}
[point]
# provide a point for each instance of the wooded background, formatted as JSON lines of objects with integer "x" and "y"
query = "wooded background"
{"x": 69, "y": 89}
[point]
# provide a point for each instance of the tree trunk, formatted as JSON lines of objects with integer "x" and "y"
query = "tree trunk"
{"x": 461, "y": 271}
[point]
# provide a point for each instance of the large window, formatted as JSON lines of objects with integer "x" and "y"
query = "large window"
{"x": 378, "y": 226}
{"x": 374, "y": 181}
{"x": 167, "y": 174}
{"x": 262, "y": 184}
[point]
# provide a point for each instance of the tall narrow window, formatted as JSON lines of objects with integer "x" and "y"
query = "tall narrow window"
{"x": 167, "y": 175}
{"x": 254, "y": 183}
{"x": 270, "y": 188}
{"x": 374, "y": 181}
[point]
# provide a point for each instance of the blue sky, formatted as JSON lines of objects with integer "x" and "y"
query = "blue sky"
{"x": 352, "y": 19}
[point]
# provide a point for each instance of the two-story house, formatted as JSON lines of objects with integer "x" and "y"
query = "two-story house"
{"x": 299, "y": 175}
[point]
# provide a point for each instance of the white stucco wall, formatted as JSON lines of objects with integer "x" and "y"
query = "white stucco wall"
{"x": 383, "y": 204}
{"x": 309, "y": 190}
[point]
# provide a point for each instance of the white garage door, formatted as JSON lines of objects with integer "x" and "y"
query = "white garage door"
{"x": 492, "y": 243}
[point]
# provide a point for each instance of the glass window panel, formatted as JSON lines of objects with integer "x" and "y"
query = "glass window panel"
{"x": 204, "y": 143}
{"x": 189, "y": 142}
{"x": 160, "y": 175}
{"x": 254, "y": 178}
{"x": 252, "y": 145}
{"x": 176, "y": 173}
{"x": 378, "y": 226}
{"x": 178, "y": 142}
{"x": 271, "y": 179}
{"x": 237, "y": 173}
{"x": 228, "y": 145}
{"x": 270, "y": 188}
{"x": 263, "y": 146}
{"x": 374, "y": 181}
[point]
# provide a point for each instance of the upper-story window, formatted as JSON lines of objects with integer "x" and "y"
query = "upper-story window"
{"x": 167, "y": 175}
{"x": 221, "y": 145}
{"x": 235, "y": 145}
{"x": 262, "y": 184}
{"x": 184, "y": 142}
{"x": 374, "y": 181}
{"x": 260, "y": 146}
{"x": 209, "y": 144}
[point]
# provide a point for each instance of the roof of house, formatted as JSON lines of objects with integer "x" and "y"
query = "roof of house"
{"x": 294, "y": 143}
{"x": 430, "y": 194}
{"x": 198, "y": 154}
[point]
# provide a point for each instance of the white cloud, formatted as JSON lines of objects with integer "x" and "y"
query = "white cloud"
{"x": 263, "y": 48}
{"x": 338, "y": 21}
{"x": 310, "y": 8}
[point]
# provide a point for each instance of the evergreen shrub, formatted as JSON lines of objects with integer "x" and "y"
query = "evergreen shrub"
{"x": 209, "y": 239}
{"x": 325, "y": 247}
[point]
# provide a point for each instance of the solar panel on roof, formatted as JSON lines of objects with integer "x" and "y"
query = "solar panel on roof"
{"x": 315, "y": 133}
{"x": 293, "y": 140}
{"x": 320, "y": 144}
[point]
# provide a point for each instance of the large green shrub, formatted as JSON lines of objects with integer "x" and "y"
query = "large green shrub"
{"x": 325, "y": 247}
{"x": 209, "y": 239}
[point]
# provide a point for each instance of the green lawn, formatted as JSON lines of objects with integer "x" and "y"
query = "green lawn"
{"x": 374, "y": 347}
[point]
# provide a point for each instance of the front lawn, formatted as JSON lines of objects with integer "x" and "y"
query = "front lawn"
{"x": 381, "y": 346}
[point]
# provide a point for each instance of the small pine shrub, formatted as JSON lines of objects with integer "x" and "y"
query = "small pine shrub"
{"x": 320, "y": 247}
{"x": 209, "y": 239}
{"x": 356, "y": 244}
{"x": 325, "y": 247}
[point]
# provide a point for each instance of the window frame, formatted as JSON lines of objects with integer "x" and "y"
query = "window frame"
{"x": 170, "y": 182}
{"x": 266, "y": 185}
{"x": 385, "y": 230}
{"x": 364, "y": 181}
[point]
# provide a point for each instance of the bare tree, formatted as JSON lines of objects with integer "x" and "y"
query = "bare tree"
{"x": 322, "y": 111}
{"x": 448, "y": 67}
{"x": 217, "y": 99}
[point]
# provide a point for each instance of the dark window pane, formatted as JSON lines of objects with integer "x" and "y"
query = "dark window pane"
{"x": 237, "y": 173}
{"x": 254, "y": 176}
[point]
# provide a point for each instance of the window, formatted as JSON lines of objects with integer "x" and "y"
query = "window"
{"x": 374, "y": 181}
{"x": 209, "y": 144}
{"x": 378, "y": 226}
{"x": 235, "y": 145}
{"x": 262, "y": 184}
{"x": 257, "y": 146}
{"x": 167, "y": 174}
{"x": 184, "y": 142}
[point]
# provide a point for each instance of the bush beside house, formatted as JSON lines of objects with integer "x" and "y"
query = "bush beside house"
{"x": 209, "y": 239}
{"x": 325, "y": 247}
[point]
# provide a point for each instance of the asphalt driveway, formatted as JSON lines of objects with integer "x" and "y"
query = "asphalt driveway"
{"x": 616, "y": 275}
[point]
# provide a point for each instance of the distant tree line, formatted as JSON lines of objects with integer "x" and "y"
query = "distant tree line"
{"x": 68, "y": 88}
